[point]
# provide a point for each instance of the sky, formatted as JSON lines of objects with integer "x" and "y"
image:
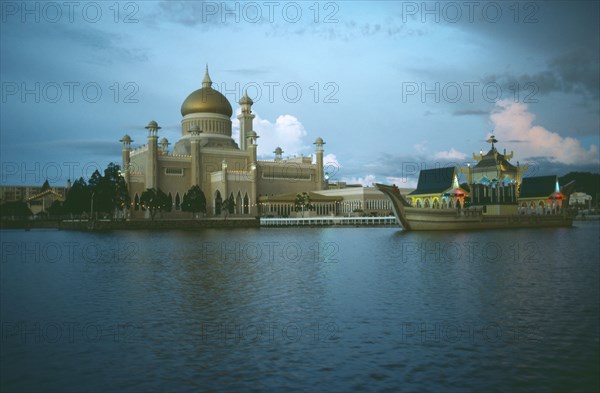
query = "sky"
{"x": 392, "y": 86}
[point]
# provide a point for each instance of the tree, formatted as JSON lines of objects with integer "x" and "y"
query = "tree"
{"x": 78, "y": 198}
{"x": 154, "y": 200}
{"x": 119, "y": 195}
{"x": 228, "y": 205}
{"x": 303, "y": 203}
{"x": 15, "y": 209}
{"x": 194, "y": 201}
{"x": 57, "y": 208}
{"x": 110, "y": 191}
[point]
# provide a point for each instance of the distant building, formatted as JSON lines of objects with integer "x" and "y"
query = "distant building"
{"x": 341, "y": 200}
{"x": 38, "y": 199}
{"x": 581, "y": 199}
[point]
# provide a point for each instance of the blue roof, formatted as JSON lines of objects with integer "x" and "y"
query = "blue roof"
{"x": 538, "y": 186}
{"x": 434, "y": 181}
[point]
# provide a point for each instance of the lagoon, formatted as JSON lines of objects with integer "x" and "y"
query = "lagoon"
{"x": 277, "y": 309}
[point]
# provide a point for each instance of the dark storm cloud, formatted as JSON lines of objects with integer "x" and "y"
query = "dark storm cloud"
{"x": 543, "y": 166}
{"x": 542, "y": 27}
{"x": 332, "y": 21}
{"x": 190, "y": 13}
{"x": 405, "y": 167}
{"x": 55, "y": 42}
{"x": 573, "y": 72}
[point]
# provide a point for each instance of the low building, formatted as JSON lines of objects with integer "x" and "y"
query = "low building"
{"x": 341, "y": 200}
{"x": 41, "y": 202}
{"x": 284, "y": 205}
{"x": 38, "y": 199}
{"x": 581, "y": 199}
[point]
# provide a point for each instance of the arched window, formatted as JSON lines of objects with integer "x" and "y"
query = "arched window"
{"x": 177, "y": 202}
{"x": 238, "y": 203}
{"x": 136, "y": 202}
{"x": 218, "y": 203}
{"x": 246, "y": 204}
{"x": 426, "y": 204}
{"x": 231, "y": 197}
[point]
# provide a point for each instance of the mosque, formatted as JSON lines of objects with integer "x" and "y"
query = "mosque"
{"x": 206, "y": 155}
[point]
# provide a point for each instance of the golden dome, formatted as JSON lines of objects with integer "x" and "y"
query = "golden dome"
{"x": 206, "y": 100}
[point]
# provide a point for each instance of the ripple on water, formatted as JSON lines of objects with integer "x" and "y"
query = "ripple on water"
{"x": 378, "y": 318}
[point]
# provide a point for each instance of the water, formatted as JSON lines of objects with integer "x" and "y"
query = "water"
{"x": 328, "y": 309}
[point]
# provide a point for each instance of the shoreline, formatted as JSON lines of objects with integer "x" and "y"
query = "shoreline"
{"x": 104, "y": 225}
{"x": 211, "y": 223}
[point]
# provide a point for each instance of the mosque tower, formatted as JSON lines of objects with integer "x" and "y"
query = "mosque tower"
{"x": 126, "y": 156}
{"x": 319, "y": 172}
{"x": 245, "y": 119}
{"x": 152, "y": 158}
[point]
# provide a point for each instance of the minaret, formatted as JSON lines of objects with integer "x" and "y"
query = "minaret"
{"x": 278, "y": 152}
{"x": 126, "y": 156}
{"x": 151, "y": 163}
{"x": 245, "y": 119}
{"x": 224, "y": 180}
{"x": 196, "y": 173}
{"x": 164, "y": 146}
{"x": 252, "y": 137}
{"x": 320, "y": 176}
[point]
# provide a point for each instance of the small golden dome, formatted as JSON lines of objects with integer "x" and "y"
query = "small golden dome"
{"x": 206, "y": 100}
{"x": 245, "y": 100}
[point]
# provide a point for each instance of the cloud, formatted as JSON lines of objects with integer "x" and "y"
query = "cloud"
{"x": 451, "y": 154}
{"x": 575, "y": 71}
{"x": 199, "y": 14}
{"x": 447, "y": 155}
{"x": 286, "y": 132}
{"x": 513, "y": 122}
{"x": 331, "y": 165}
{"x": 470, "y": 112}
{"x": 207, "y": 15}
{"x": 420, "y": 147}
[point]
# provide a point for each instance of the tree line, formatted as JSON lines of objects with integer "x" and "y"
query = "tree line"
{"x": 106, "y": 195}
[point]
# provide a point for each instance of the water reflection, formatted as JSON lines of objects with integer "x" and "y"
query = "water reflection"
{"x": 274, "y": 309}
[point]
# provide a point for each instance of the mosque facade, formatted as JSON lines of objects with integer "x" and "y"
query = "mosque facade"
{"x": 206, "y": 155}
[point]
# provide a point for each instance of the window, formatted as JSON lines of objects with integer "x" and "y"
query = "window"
{"x": 174, "y": 171}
